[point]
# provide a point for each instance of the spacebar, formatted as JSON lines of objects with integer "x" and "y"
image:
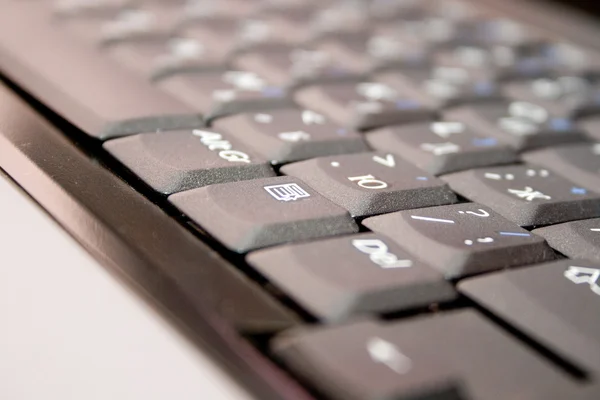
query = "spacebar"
{"x": 77, "y": 81}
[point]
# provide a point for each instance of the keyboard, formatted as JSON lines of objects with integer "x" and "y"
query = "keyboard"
{"x": 344, "y": 200}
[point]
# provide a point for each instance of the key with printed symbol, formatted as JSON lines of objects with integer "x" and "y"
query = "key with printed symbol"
{"x": 555, "y": 304}
{"x": 521, "y": 124}
{"x": 160, "y": 59}
{"x": 441, "y": 147}
{"x": 171, "y": 162}
{"x": 151, "y": 21}
{"x": 526, "y": 194}
{"x": 220, "y": 93}
{"x": 577, "y": 240}
{"x": 578, "y": 162}
{"x": 89, "y": 9}
{"x": 462, "y": 239}
{"x": 358, "y": 274}
{"x": 442, "y": 87}
{"x": 568, "y": 96}
{"x": 303, "y": 66}
{"x": 365, "y": 105}
{"x": 372, "y": 183}
{"x": 253, "y": 214}
{"x": 403, "y": 360}
{"x": 268, "y": 33}
{"x": 290, "y": 135}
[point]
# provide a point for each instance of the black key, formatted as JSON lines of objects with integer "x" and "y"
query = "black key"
{"x": 219, "y": 93}
{"x": 578, "y": 162}
{"x": 89, "y": 9}
{"x": 294, "y": 67}
{"x": 405, "y": 360}
{"x": 111, "y": 110}
{"x": 163, "y": 58}
{"x": 200, "y": 12}
{"x": 492, "y": 31}
{"x": 269, "y": 33}
{"x": 555, "y": 304}
{"x": 442, "y": 86}
{"x": 175, "y": 161}
{"x": 521, "y": 124}
{"x": 365, "y": 105}
{"x": 577, "y": 240}
{"x": 249, "y": 215}
{"x": 357, "y": 274}
{"x": 344, "y": 19}
{"x": 526, "y": 194}
{"x": 291, "y": 135}
{"x": 462, "y": 239}
{"x": 384, "y": 51}
{"x": 569, "y": 96}
{"x": 591, "y": 127}
{"x": 372, "y": 183}
{"x": 151, "y": 21}
{"x": 442, "y": 147}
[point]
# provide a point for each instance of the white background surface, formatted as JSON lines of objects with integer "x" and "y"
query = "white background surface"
{"x": 69, "y": 330}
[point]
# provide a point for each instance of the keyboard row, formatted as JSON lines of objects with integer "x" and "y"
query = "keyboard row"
{"x": 390, "y": 72}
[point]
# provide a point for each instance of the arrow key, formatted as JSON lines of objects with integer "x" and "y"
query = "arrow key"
{"x": 556, "y": 304}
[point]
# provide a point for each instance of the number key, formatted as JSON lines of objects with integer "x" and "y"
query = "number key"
{"x": 372, "y": 183}
{"x": 365, "y": 105}
{"x": 291, "y": 135}
{"x": 521, "y": 124}
{"x": 442, "y": 147}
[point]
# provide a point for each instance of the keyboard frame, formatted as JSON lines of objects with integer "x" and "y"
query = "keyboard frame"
{"x": 26, "y": 140}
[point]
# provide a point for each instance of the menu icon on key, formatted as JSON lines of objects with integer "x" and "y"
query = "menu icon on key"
{"x": 287, "y": 192}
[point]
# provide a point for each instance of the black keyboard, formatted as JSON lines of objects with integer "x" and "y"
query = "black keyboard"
{"x": 370, "y": 199}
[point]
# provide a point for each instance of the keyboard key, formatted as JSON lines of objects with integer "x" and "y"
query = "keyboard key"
{"x": 442, "y": 87}
{"x": 372, "y": 183}
{"x": 148, "y": 22}
{"x": 568, "y": 96}
{"x": 577, "y": 240}
{"x": 521, "y": 124}
{"x": 249, "y": 215}
{"x": 220, "y": 93}
{"x": 462, "y": 239}
{"x": 357, "y": 274}
{"x": 171, "y": 162}
{"x": 98, "y": 112}
{"x": 294, "y": 67}
{"x": 344, "y": 19}
{"x": 268, "y": 33}
{"x": 365, "y": 105}
{"x": 162, "y": 58}
{"x": 591, "y": 127}
{"x": 407, "y": 359}
{"x": 578, "y": 162}
{"x": 441, "y": 147}
{"x": 89, "y": 9}
{"x": 283, "y": 136}
{"x": 200, "y": 12}
{"x": 527, "y": 195}
{"x": 494, "y": 31}
{"x": 555, "y": 304}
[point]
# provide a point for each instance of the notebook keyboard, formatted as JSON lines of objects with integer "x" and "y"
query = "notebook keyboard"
{"x": 416, "y": 180}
